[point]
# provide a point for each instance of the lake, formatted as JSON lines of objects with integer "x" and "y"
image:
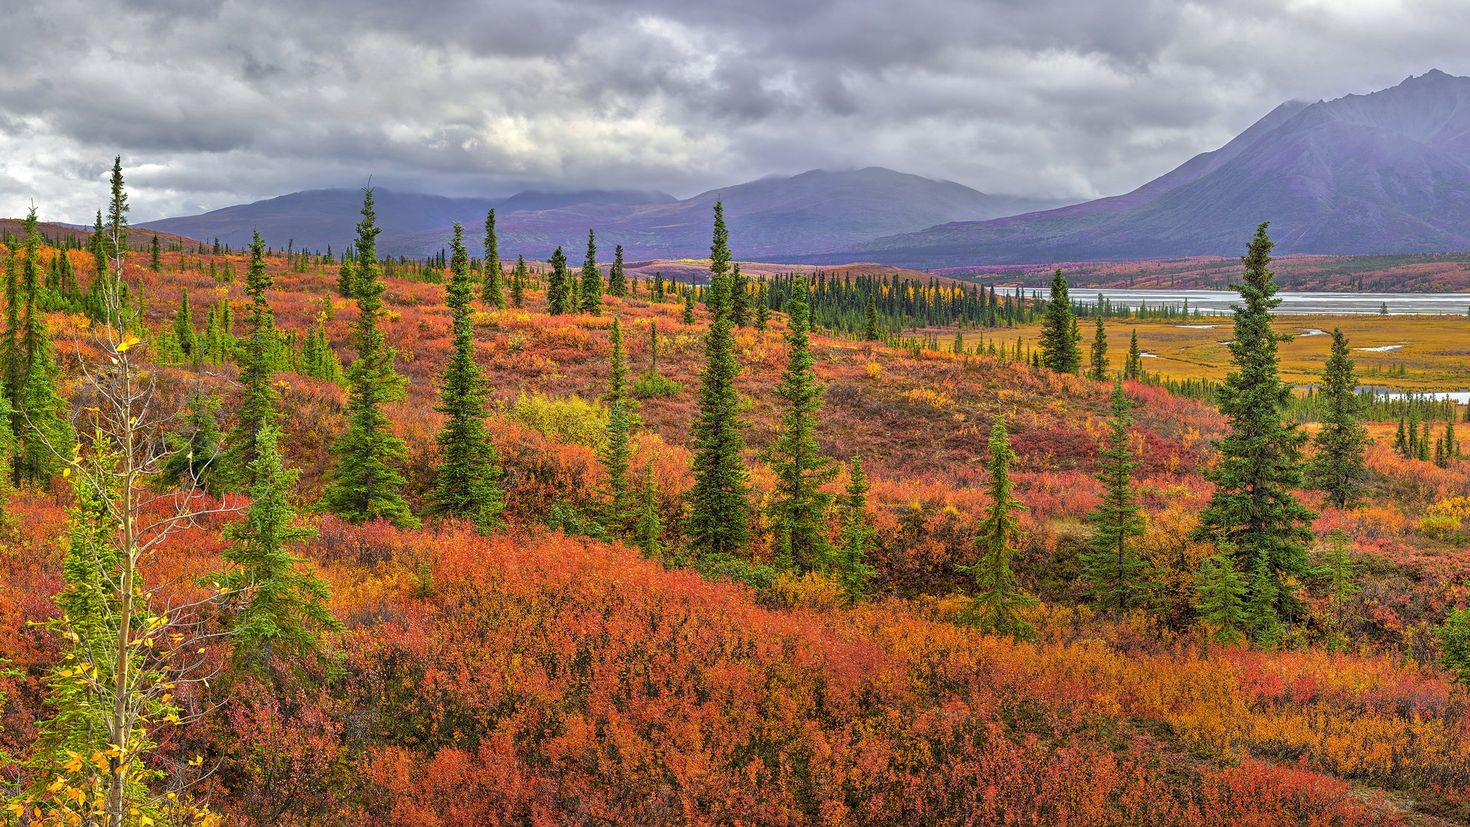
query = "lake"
{"x": 1219, "y": 301}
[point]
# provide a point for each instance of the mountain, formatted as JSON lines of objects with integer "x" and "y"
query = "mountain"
{"x": 1387, "y": 172}
{"x": 313, "y": 219}
{"x": 770, "y": 218}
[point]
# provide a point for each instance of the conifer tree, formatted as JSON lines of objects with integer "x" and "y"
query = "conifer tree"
{"x": 591, "y": 288}
{"x": 184, "y": 331}
{"x": 1117, "y": 576}
{"x": 762, "y": 307}
{"x": 467, "y": 481}
{"x": 719, "y": 521}
{"x": 1000, "y": 595}
{"x": 739, "y": 297}
{"x": 42, "y": 433}
{"x": 799, "y": 511}
{"x": 1338, "y": 467}
{"x": 1220, "y": 592}
{"x": 1059, "y": 340}
{"x": 688, "y": 317}
{"x": 493, "y": 292}
{"x": 558, "y": 285}
{"x": 851, "y": 565}
{"x": 870, "y": 320}
{"x": 193, "y": 458}
{"x": 648, "y": 533}
{"x": 1253, "y": 507}
{"x": 1340, "y": 579}
{"x": 155, "y": 259}
{"x": 1133, "y": 368}
{"x": 344, "y": 279}
{"x": 1099, "y": 366}
{"x": 617, "y": 281}
{"x": 617, "y": 453}
{"x": 366, "y": 483}
{"x": 280, "y": 606}
{"x": 1454, "y": 644}
{"x": 258, "y": 407}
{"x": 518, "y": 282}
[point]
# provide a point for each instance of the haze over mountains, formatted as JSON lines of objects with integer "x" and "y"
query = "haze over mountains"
{"x": 1387, "y": 172}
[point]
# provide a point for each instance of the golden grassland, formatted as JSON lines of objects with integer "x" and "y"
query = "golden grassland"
{"x": 1433, "y": 352}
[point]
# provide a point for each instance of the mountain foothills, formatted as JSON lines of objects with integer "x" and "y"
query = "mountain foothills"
{"x": 291, "y": 538}
{"x": 778, "y": 217}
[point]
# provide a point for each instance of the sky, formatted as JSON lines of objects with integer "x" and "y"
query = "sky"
{"x": 216, "y": 102}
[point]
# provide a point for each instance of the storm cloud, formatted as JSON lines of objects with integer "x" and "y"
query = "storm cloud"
{"x": 212, "y": 102}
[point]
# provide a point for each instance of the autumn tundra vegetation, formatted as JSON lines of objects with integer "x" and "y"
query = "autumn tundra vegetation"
{"x": 322, "y": 537}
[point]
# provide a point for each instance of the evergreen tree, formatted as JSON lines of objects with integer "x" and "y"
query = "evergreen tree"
{"x": 1059, "y": 340}
{"x": 1117, "y": 577}
{"x": 344, "y": 279}
{"x": 739, "y": 298}
{"x": 155, "y": 259}
{"x": 493, "y": 293}
{"x": 518, "y": 282}
{"x": 617, "y": 281}
{"x": 1000, "y": 595}
{"x": 1253, "y": 507}
{"x": 467, "y": 481}
{"x": 1338, "y": 466}
{"x": 1220, "y": 597}
{"x": 851, "y": 557}
{"x": 280, "y": 606}
{"x": 558, "y": 285}
{"x": 591, "y": 288}
{"x": 799, "y": 510}
{"x": 1133, "y": 368}
{"x": 1454, "y": 644}
{"x": 870, "y": 320}
{"x": 184, "y": 332}
{"x": 617, "y": 453}
{"x": 688, "y": 317}
{"x": 648, "y": 533}
{"x": 1099, "y": 366}
{"x": 366, "y": 484}
{"x": 719, "y": 522}
{"x": 1340, "y": 581}
{"x": 41, "y": 432}
{"x": 193, "y": 454}
{"x": 259, "y": 402}
{"x": 762, "y": 307}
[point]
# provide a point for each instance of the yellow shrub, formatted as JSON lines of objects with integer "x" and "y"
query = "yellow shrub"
{"x": 567, "y": 419}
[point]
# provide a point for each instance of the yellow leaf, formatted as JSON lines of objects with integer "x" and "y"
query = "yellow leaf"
{"x": 127, "y": 342}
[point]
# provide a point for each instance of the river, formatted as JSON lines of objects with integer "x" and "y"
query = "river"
{"x": 1219, "y": 301}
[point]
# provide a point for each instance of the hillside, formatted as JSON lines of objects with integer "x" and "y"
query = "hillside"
{"x": 778, "y": 216}
{"x": 1386, "y": 172}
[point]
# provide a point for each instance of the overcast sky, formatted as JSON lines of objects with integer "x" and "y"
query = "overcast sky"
{"x": 214, "y": 102}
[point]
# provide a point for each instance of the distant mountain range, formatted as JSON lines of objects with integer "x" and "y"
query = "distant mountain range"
{"x": 1387, "y": 172}
{"x": 771, "y": 218}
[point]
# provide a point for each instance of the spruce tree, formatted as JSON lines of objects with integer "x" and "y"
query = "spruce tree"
{"x": 42, "y": 433}
{"x": 1059, "y": 340}
{"x": 1116, "y": 575}
{"x": 280, "y": 606}
{"x": 1133, "y": 368}
{"x": 619, "y": 518}
{"x": 591, "y": 288}
{"x": 1339, "y": 577}
{"x": 493, "y": 293}
{"x": 518, "y": 282}
{"x": 155, "y": 259}
{"x": 1253, "y": 506}
{"x": 558, "y": 286}
{"x": 870, "y": 320}
{"x": 366, "y": 483}
{"x": 762, "y": 307}
{"x": 1220, "y": 593}
{"x": 1099, "y": 363}
{"x": 799, "y": 510}
{"x": 739, "y": 298}
{"x": 719, "y": 520}
{"x": 344, "y": 279}
{"x": 259, "y": 401}
{"x": 850, "y": 562}
{"x": 688, "y": 317}
{"x": 648, "y": 533}
{"x": 193, "y": 457}
{"x": 1338, "y": 467}
{"x": 1000, "y": 596}
{"x": 184, "y": 331}
{"x": 617, "y": 281}
{"x": 467, "y": 480}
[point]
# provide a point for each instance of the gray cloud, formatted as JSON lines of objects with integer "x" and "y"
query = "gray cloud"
{"x": 215, "y": 102}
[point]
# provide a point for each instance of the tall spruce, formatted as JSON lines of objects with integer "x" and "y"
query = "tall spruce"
{"x": 799, "y": 510}
{"x": 558, "y": 285}
{"x": 739, "y": 297}
{"x": 184, "y": 332}
{"x": 1133, "y": 367}
{"x": 719, "y": 521}
{"x": 493, "y": 291}
{"x": 1253, "y": 507}
{"x": 999, "y": 596}
{"x": 467, "y": 480}
{"x": 41, "y": 432}
{"x": 590, "y": 300}
{"x": 1117, "y": 577}
{"x": 1338, "y": 467}
{"x": 519, "y": 277}
{"x": 870, "y": 320}
{"x": 258, "y": 407}
{"x": 279, "y": 605}
{"x": 648, "y": 533}
{"x": 617, "y": 280}
{"x": 366, "y": 483}
{"x": 1220, "y": 593}
{"x": 620, "y": 517}
{"x": 1098, "y": 368}
{"x": 1059, "y": 340}
{"x": 850, "y": 558}
{"x": 193, "y": 458}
